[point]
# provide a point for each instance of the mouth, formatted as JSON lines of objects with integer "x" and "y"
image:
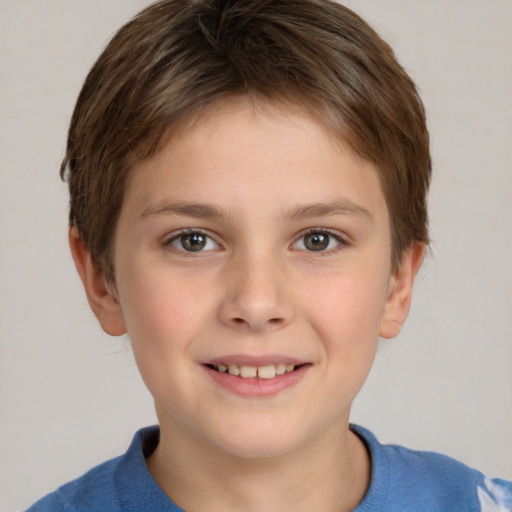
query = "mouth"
{"x": 265, "y": 372}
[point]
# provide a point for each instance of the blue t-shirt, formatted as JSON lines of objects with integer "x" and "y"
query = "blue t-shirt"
{"x": 402, "y": 480}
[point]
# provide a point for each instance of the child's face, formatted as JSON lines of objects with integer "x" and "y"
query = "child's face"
{"x": 253, "y": 239}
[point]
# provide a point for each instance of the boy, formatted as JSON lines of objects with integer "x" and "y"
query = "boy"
{"x": 248, "y": 202}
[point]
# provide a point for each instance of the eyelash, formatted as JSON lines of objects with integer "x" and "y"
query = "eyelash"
{"x": 342, "y": 242}
{"x": 168, "y": 243}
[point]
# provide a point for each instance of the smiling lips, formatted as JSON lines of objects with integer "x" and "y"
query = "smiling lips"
{"x": 256, "y": 377}
{"x": 268, "y": 371}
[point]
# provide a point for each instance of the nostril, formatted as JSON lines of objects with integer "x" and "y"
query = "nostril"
{"x": 271, "y": 321}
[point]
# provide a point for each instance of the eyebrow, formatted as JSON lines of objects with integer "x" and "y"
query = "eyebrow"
{"x": 208, "y": 211}
{"x": 198, "y": 210}
{"x": 337, "y": 207}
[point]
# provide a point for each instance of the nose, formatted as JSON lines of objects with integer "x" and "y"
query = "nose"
{"x": 257, "y": 294}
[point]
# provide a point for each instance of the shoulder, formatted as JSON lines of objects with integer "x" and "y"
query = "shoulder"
{"x": 418, "y": 480}
{"x": 445, "y": 482}
{"x": 495, "y": 495}
{"x": 92, "y": 491}
{"x": 118, "y": 484}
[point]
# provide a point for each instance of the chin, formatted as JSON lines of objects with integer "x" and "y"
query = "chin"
{"x": 258, "y": 441}
{"x": 258, "y": 449}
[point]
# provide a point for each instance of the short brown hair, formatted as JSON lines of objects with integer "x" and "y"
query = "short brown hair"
{"x": 179, "y": 57}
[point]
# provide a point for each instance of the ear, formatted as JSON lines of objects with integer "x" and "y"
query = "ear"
{"x": 399, "y": 296}
{"x": 102, "y": 300}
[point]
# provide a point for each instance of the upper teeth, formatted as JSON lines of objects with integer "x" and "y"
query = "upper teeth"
{"x": 268, "y": 371}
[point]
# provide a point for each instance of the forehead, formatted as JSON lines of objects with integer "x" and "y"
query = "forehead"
{"x": 275, "y": 154}
{"x": 199, "y": 120}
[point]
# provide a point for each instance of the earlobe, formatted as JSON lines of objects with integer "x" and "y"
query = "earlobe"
{"x": 399, "y": 296}
{"x": 102, "y": 300}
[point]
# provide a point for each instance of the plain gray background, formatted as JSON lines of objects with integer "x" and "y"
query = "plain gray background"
{"x": 71, "y": 397}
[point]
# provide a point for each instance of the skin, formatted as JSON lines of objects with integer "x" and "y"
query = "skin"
{"x": 256, "y": 289}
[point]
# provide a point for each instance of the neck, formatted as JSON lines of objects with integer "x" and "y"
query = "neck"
{"x": 333, "y": 475}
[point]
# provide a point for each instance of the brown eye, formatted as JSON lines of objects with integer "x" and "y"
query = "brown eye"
{"x": 316, "y": 241}
{"x": 319, "y": 241}
{"x": 193, "y": 242}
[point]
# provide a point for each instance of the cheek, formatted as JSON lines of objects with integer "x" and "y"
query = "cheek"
{"x": 345, "y": 313}
{"x": 161, "y": 311}
{"x": 347, "y": 308}
{"x": 162, "y": 320}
